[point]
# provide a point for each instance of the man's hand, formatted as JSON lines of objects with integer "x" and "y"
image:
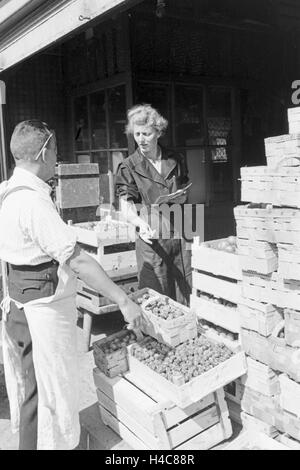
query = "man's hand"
{"x": 132, "y": 313}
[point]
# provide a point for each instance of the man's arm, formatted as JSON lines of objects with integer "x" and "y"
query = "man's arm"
{"x": 89, "y": 271}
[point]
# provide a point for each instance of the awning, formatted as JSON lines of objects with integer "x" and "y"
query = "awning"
{"x": 28, "y": 26}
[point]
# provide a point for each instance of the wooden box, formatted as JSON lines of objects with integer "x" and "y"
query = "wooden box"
{"x": 195, "y": 389}
{"x": 288, "y": 441}
{"x": 258, "y": 316}
{"x": 292, "y": 327}
{"x": 288, "y": 261}
{"x": 78, "y": 185}
{"x": 150, "y": 421}
{"x": 269, "y": 410}
{"x": 115, "y": 362}
{"x": 225, "y": 316}
{"x": 264, "y": 185}
{"x": 289, "y": 394}
{"x": 251, "y": 423}
{"x": 90, "y": 300}
{"x": 224, "y": 288}
{"x": 253, "y": 440}
{"x": 284, "y": 358}
{"x": 215, "y": 261}
{"x": 261, "y": 378}
{"x": 255, "y": 345}
{"x": 274, "y": 225}
{"x": 257, "y": 256}
{"x": 169, "y": 331}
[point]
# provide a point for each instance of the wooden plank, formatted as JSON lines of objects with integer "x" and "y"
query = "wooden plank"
{"x": 129, "y": 421}
{"x": 256, "y": 320}
{"x": 250, "y": 440}
{"x": 205, "y": 440}
{"x": 226, "y": 317}
{"x": 193, "y": 426}
{"x": 215, "y": 261}
{"x": 289, "y": 394}
{"x": 121, "y": 430}
{"x": 217, "y": 287}
{"x": 256, "y": 425}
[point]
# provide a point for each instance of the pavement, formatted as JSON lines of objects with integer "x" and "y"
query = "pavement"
{"x": 94, "y": 434}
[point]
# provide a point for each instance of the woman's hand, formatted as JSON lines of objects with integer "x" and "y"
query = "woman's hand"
{"x": 146, "y": 232}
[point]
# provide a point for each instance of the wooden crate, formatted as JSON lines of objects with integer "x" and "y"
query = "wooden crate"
{"x": 284, "y": 358}
{"x": 268, "y": 410}
{"x": 148, "y": 421}
{"x": 169, "y": 331}
{"x": 256, "y": 425}
{"x": 283, "y": 150}
{"x": 288, "y": 441}
{"x": 195, "y": 389}
{"x": 255, "y": 345}
{"x": 260, "y": 378}
{"x": 289, "y": 394}
{"x": 212, "y": 260}
{"x": 224, "y": 288}
{"x": 92, "y": 299}
{"x": 252, "y": 440}
{"x": 78, "y": 185}
{"x": 274, "y": 225}
{"x": 257, "y": 256}
{"x": 259, "y": 317}
{"x": 288, "y": 261}
{"x": 103, "y": 231}
{"x": 116, "y": 362}
{"x": 292, "y": 327}
{"x": 218, "y": 314}
{"x": 260, "y": 406}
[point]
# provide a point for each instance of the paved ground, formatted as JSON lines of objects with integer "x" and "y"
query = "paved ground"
{"x": 95, "y": 435}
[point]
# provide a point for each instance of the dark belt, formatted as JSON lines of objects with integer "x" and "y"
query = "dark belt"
{"x": 33, "y": 268}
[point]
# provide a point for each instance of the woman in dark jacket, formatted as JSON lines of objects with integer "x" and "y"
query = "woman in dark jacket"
{"x": 163, "y": 261}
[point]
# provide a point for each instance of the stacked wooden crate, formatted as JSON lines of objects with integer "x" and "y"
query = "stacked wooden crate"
{"x": 215, "y": 289}
{"x": 146, "y": 418}
{"x": 270, "y": 287}
{"x": 149, "y": 394}
{"x": 112, "y": 244}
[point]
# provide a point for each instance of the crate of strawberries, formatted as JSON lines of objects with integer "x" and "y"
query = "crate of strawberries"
{"x": 188, "y": 372}
{"x": 164, "y": 319}
{"x": 110, "y": 353}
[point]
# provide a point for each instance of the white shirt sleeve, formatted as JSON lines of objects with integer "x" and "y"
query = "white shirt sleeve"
{"x": 42, "y": 224}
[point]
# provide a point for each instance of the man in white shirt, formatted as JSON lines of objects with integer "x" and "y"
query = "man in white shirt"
{"x": 43, "y": 261}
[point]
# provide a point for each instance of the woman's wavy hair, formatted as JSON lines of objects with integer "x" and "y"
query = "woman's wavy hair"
{"x": 145, "y": 115}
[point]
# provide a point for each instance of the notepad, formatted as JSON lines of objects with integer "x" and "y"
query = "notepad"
{"x": 165, "y": 198}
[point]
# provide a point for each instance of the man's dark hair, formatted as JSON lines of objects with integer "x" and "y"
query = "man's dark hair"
{"x": 28, "y": 138}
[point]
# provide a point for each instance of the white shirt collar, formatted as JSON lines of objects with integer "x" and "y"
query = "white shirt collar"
{"x": 26, "y": 178}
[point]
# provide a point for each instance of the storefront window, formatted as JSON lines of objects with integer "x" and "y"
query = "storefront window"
{"x": 189, "y": 124}
{"x": 81, "y": 130}
{"x": 219, "y": 127}
{"x": 117, "y": 117}
{"x": 98, "y": 120}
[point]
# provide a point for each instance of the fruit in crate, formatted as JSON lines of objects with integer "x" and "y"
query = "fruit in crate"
{"x": 188, "y": 360}
{"x": 142, "y": 299}
{"x": 119, "y": 343}
{"x": 163, "y": 309}
{"x": 229, "y": 245}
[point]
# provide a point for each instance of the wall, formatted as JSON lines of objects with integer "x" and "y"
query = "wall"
{"x": 35, "y": 90}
